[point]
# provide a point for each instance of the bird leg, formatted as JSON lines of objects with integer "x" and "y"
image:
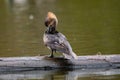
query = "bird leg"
{"x": 55, "y": 50}
{"x": 51, "y": 55}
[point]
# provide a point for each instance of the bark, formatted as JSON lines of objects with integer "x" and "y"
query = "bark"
{"x": 44, "y": 62}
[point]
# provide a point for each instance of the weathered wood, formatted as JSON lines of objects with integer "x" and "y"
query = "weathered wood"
{"x": 44, "y": 62}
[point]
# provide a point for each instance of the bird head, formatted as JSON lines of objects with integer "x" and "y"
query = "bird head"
{"x": 51, "y": 21}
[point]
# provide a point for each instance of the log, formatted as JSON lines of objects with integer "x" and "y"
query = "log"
{"x": 46, "y": 63}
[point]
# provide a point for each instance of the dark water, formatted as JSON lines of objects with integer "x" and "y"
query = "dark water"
{"x": 91, "y": 26}
{"x": 91, "y": 74}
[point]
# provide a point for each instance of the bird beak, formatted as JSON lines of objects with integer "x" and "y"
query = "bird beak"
{"x": 48, "y": 29}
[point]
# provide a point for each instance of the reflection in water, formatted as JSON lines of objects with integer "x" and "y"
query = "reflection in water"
{"x": 66, "y": 75}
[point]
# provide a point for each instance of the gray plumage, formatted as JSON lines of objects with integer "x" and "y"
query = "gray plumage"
{"x": 58, "y": 42}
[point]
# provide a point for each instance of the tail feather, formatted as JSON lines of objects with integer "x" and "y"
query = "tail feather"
{"x": 72, "y": 55}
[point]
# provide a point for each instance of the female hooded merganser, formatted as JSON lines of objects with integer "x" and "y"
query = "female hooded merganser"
{"x": 55, "y": 40}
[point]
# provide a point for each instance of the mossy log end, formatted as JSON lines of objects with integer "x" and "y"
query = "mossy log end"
{"x": 44, "y": 62}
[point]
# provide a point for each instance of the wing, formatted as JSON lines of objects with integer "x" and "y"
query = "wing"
{"x": 60, "y": 43}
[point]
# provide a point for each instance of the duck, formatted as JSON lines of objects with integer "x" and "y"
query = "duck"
{"x": 55, "y": 40}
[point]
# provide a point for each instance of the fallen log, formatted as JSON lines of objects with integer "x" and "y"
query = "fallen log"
{"x": 44, "y": 62}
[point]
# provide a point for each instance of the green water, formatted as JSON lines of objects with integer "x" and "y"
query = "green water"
{"x": 91, "y": 26}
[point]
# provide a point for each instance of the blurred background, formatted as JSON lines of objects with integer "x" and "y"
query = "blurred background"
{"x": 91, "y": 26}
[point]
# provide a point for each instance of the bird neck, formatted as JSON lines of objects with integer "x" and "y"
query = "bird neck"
{"x": 51, "y": 32}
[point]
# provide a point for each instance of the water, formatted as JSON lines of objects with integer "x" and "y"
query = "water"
{"x": 90, "y": 26}
{"x": 91, "y": 74}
